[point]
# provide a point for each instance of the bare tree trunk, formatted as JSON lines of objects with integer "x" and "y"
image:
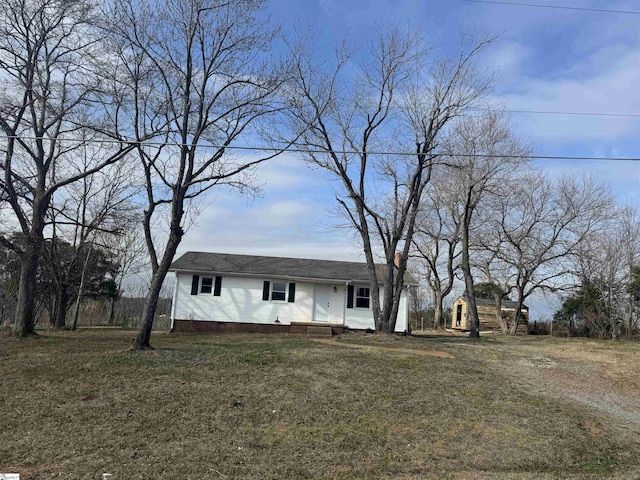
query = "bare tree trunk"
{"x": 613, "y": 317}
{"x": 389, "y": 319}
{"x": 631, "y": 299}
{"x": 518, "y": 316}
{"x": 76, "y": 312}
{"x": 24, "y": 324}
{"x": 112, "y": 310}
{"x": 141, "y": 341}
{"x": 392, "y": 314}
{"x": 396, "y": 268}
{"x": 571, "y": 323}
{"x": 76, "y": 309}
{"x": 513, "y": 328}
{"x": 504, "y": 325}
{"x": 437, "y": 310}
{"x": 391, "y": 296}
{"x": 472, "y": 309}
{"x": 60, "y": 312}
{"x": 630, "y": 319}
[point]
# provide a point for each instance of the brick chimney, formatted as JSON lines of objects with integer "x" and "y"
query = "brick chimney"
{"x": 396, "y": 261}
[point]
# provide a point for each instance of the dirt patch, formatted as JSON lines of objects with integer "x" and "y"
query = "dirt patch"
{"x": 540, "y": 362}
{"x": 375, "y": 348}
{"x": 584, "y": 372}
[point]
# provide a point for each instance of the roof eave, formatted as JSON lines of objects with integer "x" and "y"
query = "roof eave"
{"x": 254, "y": 275}
{"x": 279, "y": 277}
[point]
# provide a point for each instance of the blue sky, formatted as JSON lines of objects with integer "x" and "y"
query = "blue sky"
{"x": 546, "y": 60}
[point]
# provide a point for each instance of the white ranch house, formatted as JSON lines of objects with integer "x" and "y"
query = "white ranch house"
{"x": 224, "y": 292}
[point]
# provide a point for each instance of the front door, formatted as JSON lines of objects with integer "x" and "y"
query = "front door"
{"x": 336, "y": 313}
{"x": 322, "y": 307}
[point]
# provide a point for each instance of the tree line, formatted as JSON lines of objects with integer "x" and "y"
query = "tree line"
{"x": 605, "y": 300}
{"x": 126, "y": 113}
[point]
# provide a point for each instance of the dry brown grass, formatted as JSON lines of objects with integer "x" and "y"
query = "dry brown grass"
{"x": 77, "y": 404}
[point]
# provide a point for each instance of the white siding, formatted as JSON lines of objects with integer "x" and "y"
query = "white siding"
{"x": 362, "y": 318}
{"x": 403, "y": 313}
{"x": 240, "y": 300}
{"x": 174, "y": 302}
{"x": 359, "y": 318}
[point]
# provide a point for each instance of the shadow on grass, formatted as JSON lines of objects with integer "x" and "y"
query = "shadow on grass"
{"x": 449, "y": 339}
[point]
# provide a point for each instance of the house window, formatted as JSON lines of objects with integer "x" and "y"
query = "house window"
{"x": 362, "y": 297}
{"x": 279, "y": 291}
{"x": 207, "y": 285}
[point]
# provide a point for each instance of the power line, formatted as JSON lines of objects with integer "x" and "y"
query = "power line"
{"x": 549, "y": 112}
{"x": 545, "y": 112}
{"x": 273, "y": 150}
{"x": 558, "y": 7}
{"x": 555, "y": 112}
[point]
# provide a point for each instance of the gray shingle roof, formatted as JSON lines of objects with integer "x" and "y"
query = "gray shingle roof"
{"x": 505, "y": 303}
{"x": 302, "y": 268}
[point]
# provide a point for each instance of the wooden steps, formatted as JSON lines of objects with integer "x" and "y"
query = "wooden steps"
{"x": 322, "y": 330}
{"x": 319, "y": 331}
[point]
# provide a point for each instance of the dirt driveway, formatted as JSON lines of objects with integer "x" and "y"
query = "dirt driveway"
{"x": 604, "y": 376}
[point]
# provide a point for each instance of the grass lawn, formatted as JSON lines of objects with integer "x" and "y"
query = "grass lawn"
{"x": 74, "y": 405}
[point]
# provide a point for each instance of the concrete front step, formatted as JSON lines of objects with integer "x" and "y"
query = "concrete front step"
{"x": 319, "y": 332}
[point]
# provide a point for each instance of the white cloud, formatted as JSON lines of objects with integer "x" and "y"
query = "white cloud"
{"x": 292, "y": 217}
{"x": 622, "y": 177}
{"x": 285, "y": 171}
{"x": 508, "y": 60}
{"x": 603, "y": 87}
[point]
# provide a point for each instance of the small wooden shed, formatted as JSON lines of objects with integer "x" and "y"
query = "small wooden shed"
{"x": 487, "y": 314}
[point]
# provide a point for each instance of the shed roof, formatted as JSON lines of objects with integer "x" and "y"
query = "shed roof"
{"x": 300, "y": 268}
{"x": 489, "y": 301}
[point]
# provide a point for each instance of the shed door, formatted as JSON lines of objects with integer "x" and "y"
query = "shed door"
{"x": 322, "y": 303}
{"x": 458, "y": 314}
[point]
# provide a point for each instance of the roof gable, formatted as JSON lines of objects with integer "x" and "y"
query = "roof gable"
{"x": 300, "y": 268}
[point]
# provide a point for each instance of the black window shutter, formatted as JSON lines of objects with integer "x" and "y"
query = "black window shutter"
{"x": 292, "y": 292}
{"x": 265, "y": 290}
{"x": 194, "y": 284}
{"x": 217, "y": 287}
{"x": 350, "y": 296}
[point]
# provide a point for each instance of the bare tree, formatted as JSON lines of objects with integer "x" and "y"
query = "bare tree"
{"x": 605, "y": 261}
{"x": 499, "y": 276}
{"x": 130, "y": 256}
{"x": 544, "y": 225}
{"x": 86, "y": 214}
{"x": 417, "y": 304}
{"x": 629, "y": 226}
{"x": 197, "y": 76}
{"x": 47, "y": 49}
{"x": 354, "y": 116}
{"x": 437, "y": 238}
{"x": 9, "y": 269}
{"x": 483, "y": 153}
